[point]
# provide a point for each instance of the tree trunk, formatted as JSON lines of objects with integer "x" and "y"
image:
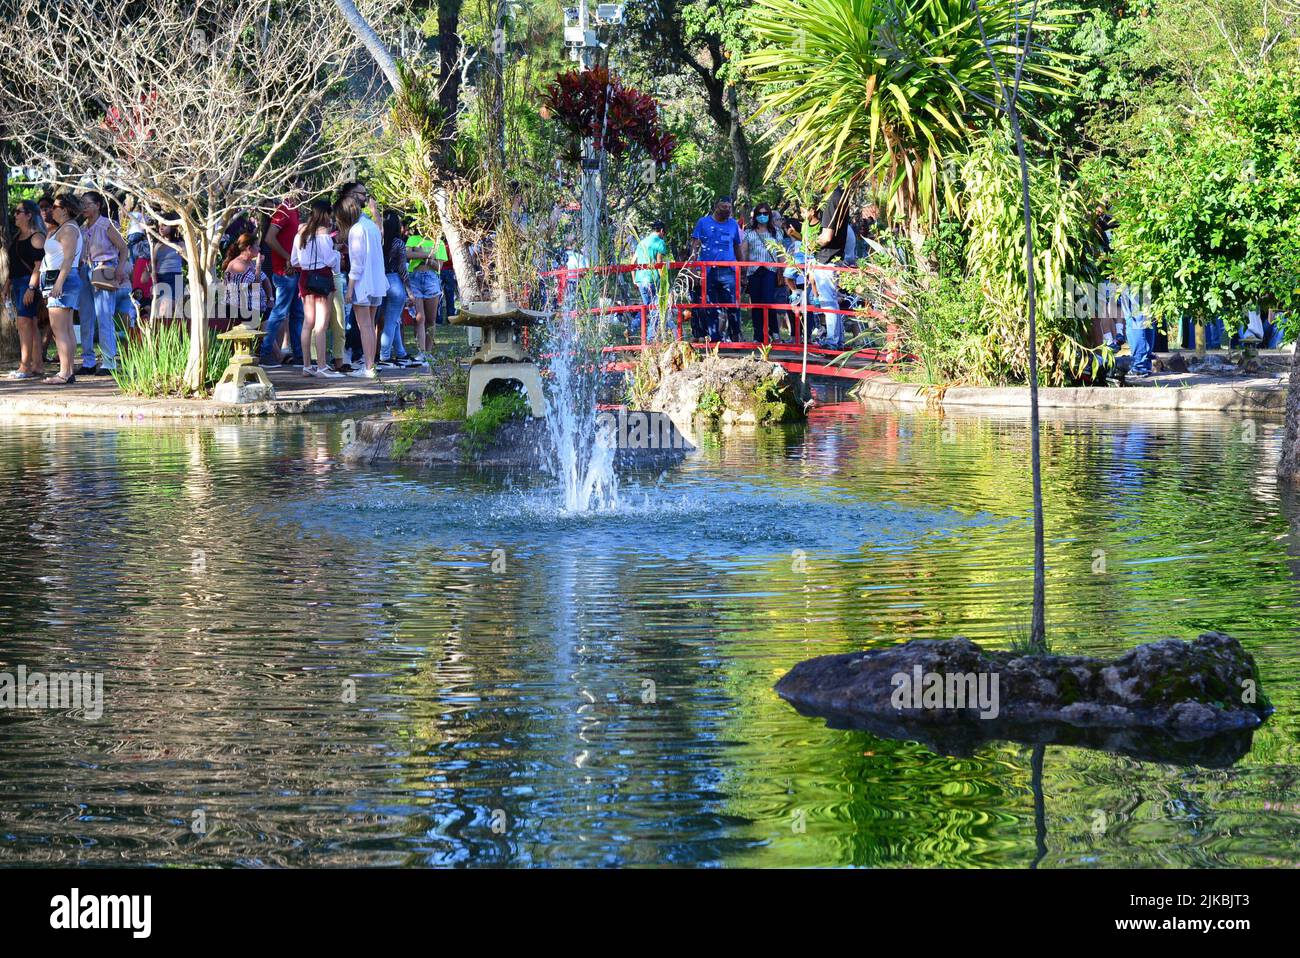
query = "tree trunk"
{"x": 741, "y": 175}
{"x": 466, "y": 278}
{"x": 198, "y": 250}
{"x": 724, "y": 110}
{"x": 358, "y": 25}
{"x": 1288, "y": 467}
{"x": 1038, "y": 623}
{"x": 448, "y": 74}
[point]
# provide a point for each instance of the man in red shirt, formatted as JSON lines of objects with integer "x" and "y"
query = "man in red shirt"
{"x": 284, "y": 277}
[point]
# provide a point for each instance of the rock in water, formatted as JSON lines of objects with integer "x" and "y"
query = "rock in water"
{"x": 1183, "y": 691}
{"x": 729, "y": 390}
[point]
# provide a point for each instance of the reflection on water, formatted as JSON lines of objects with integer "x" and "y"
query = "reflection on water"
{"x": 341, "y": 665}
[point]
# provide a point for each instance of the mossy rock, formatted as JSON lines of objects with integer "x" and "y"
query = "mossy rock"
{"x": 1171, "y": 689}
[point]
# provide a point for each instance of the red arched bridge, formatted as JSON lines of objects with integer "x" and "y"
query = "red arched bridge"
{"x": 710, "y": 304}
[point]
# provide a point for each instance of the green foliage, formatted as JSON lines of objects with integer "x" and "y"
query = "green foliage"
{"x": 710, "y": 405}
{"x": 1105, "y": 41}
{"x": 482, "y": 427}
{"x": 444, "y": 401}
{"x": 887, "y": 90}
{"x": 1064, "y": 248}
{"x": 941, "y": 326}
{"x": 152, "y": 361}
{"x": 773, "y": 405}
{"x": 1209, "y": 212}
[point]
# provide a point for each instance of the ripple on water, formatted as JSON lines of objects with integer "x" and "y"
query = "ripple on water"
{"x": 331, "y": 664}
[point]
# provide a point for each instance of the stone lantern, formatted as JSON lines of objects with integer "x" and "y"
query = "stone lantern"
{"x": 501, "y": 355}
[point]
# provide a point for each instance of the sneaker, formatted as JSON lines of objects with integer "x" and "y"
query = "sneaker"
{"x": 370, "y": 373}
{"x": 105, "y": 371}
{"x": 327, "y": 373}
{"x": 84, "y": 370}
{"x": 268, "y": 363}
{"x": 309, "y": 371}
{"x": 386, "y": 364}
{"x": 410, "y": 362}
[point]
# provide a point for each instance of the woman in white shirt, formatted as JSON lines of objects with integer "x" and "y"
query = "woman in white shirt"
{"x": 61, "y": 282}
{"x": 367, "y": 282}
{"x": 317, "y": 260}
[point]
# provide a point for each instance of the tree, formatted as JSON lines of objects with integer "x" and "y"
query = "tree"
{"x": 360, "y": 27}
{"x": 702, "y": 38}
{"x": 1208, "y": 214}
{"x": 192, "y": 112}
{"x": 888, "y": 92}
{"x": 1007, "y": 80}
{"x": 449, "y": 57}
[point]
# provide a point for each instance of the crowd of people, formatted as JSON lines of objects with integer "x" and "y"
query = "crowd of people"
{"x": 788, "y": 265}
{"x": 332, "y": 280}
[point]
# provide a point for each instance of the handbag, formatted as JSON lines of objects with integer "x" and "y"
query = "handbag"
{"x": 318, "y": 283}
{"x": 103, "y": 277}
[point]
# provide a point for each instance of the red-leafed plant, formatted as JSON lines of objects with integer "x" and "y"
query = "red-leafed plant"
{"x": 597, "y": 104}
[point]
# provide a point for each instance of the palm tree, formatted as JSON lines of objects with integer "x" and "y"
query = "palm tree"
{"x": 358, "y": 24}
{"x": 888, "y": 91}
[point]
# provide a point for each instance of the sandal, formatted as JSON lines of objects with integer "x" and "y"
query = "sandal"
{"x": 59, "y": 380}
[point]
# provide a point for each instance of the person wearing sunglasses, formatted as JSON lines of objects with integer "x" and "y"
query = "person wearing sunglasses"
{"x": 61, "y": 282}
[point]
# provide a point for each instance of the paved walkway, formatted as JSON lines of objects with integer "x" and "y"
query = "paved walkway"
{"x": 296, "y": 394}
{"x": 1264, "y": 393}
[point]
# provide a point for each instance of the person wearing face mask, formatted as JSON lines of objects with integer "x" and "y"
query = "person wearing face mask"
{"x": 762, "y": 245}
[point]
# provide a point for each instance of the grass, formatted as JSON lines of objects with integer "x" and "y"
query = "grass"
{"x": 482, "y": 427}
{"x": 152, "y": 362}
{"x": 444, "y": 402}
{"x": 1022, "y": 645}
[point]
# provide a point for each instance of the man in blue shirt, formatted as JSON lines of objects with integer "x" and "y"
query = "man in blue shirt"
{"x": 716, "y": 239}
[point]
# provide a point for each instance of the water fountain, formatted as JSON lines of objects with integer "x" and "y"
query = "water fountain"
{"x": 579, "y": 456}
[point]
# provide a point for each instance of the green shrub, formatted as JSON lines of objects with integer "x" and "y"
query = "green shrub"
{"x": 709, "y": 405}
{"x": 152, "y": 363}
{"x": 1064, "y": 252}
{"x": 482, "y": 427}
{"x": 445, "y": 401}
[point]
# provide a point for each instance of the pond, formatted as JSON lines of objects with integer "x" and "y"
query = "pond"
{"x": 307, "y": 663}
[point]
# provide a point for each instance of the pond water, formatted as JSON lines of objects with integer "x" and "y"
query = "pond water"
{"x": 323, "y": 664}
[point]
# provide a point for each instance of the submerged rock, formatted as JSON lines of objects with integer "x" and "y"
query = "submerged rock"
{"x": 729, "y": 390}
{"x": 1155, "y": 702}
{"x": 641, "y": 440}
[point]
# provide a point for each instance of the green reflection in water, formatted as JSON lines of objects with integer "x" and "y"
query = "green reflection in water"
{"x": 231, "y": 579}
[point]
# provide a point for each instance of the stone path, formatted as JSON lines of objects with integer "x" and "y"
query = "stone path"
{"x": 296, "y": 394}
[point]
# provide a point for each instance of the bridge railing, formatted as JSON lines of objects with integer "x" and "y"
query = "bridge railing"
{"x": 699, "y": 286}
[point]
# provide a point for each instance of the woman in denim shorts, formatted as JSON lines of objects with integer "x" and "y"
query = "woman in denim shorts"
{"x": 426, "y": 289}
{"x": 61, "y": 282}
{"x": 25, "y": 253}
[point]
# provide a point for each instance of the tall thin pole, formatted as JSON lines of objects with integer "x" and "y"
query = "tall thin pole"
{"x": 587, "y": 56}
{"x": 1010, "y": 93}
